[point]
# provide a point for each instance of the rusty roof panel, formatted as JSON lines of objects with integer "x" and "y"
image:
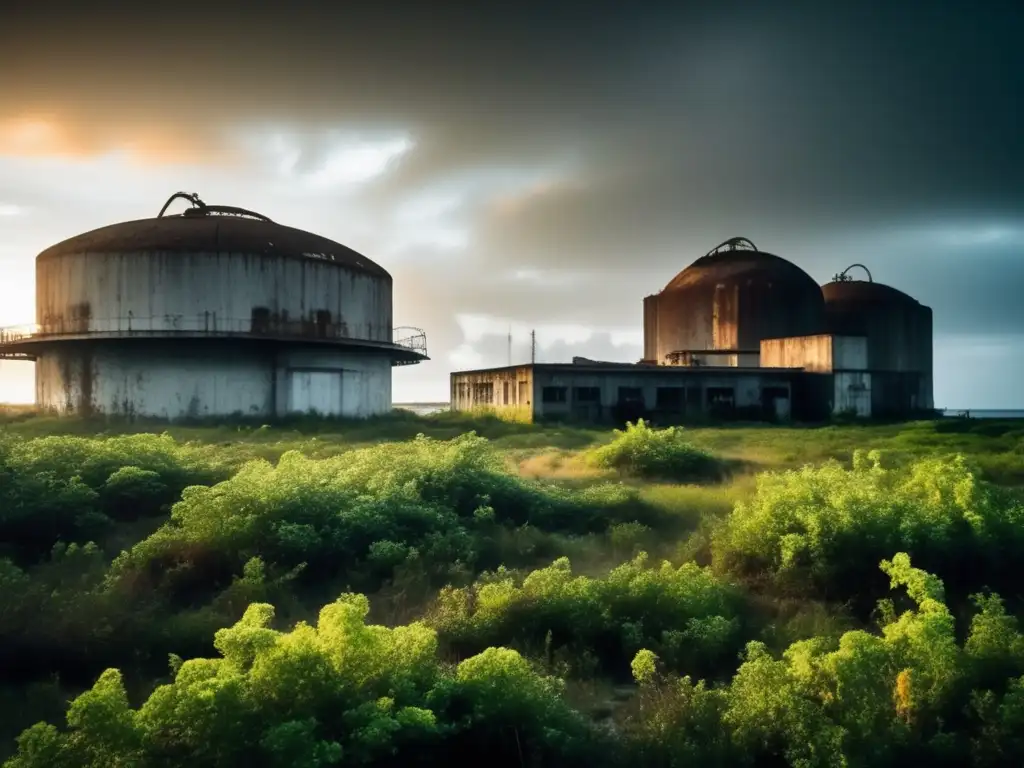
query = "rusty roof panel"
{"x": 214, "y": 234}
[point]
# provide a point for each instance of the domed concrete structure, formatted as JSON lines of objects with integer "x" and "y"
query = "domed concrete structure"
{"x": 212, "y": 312}
{"x": 898, "y": 329}
{"x": 727, "y": 302}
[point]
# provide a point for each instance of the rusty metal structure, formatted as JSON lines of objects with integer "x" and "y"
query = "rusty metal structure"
{"x": 719, "y": 309}
{"x": 898, "y": 330}
{"x": 739, "y": 333}
{"x": 214, "y": 311}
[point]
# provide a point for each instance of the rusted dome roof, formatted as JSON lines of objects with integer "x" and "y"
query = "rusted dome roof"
{"x": 214, "y": 229}
{"x": 864, "y": 292}
{"x": 729, "y": 262}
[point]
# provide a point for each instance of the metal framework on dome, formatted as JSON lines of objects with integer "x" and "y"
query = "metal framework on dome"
{"x": 842, "y": 277}
{"x": 200, "y": 208}
{"x": 733, "y": 244}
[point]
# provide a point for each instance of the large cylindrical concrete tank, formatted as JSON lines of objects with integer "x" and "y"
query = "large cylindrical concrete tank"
{"x": 730, "y": 300}
{"x": 212, "y": 312}
{"x": 898, "y": 329}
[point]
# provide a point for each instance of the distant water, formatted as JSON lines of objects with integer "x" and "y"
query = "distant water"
{"x": 422, "y": 409}
{"x": 425, "y": 409}
{"x": 985, "y": 413}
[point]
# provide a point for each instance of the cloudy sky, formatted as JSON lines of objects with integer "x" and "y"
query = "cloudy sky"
{"x": 546, "y": 165}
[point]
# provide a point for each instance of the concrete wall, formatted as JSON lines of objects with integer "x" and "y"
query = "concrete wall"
{"x": 812, "y": 353}
{"x": 101, "y": 292}
{"x": 334, "y": 382}
{"x": 178, "y": 379}
{"x": 558, "y": 392}
{"x": 822, "y": 353}
{"x": 852, "y": 394}
{"x": 508, "y": 392}
{"x": 850, "y": 353}
{"x": 137, "y": 380}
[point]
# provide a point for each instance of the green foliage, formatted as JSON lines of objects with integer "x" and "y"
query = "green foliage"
{"x": 370, "y": 509}
{"x": 335, "y": 516}
{"x": 866, "y": 700}
{"x": 686, "y": 613}
{"x": 69, "y": 488}
{"x": 655, "y": 453}
{"x": 822, "y": 527}
{"x": 317, "y": 695}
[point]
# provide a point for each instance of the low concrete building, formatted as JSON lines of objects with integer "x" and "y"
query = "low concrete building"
{"x": 803, "y": 377}
{"x": 591, "y": 391}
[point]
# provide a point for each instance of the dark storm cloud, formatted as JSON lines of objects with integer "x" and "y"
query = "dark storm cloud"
{"x": 664, "y": 130}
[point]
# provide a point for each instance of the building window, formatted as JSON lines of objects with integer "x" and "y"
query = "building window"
{"x": 669, "y": 398}
{"x": 723, "y": 397}
{"x": 631, "y": 395}
{"x": 504, "y": 388}
{"x": 554, "y": 394}
{"x": 587, "y": 395}
{"x": 483, "y": 394}
{"x": 524, "y": 393}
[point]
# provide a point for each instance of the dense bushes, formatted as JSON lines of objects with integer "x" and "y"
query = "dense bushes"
{"x": 320, "y": 695}
{"x": 913, "y": 694}
{"x": 822, "y": 527}
{"x": 663, "y": 454}
{"x": 72, "y": 488}
{"x": 362, "y": 513}
{"x": 342, "y": 692}
{"x": 584, "y": 625}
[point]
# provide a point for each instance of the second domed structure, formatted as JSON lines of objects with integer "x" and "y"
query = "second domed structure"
{"x": 719, "y": 309}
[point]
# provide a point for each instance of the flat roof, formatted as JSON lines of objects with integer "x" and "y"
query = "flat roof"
{"x": 629, "y": 368}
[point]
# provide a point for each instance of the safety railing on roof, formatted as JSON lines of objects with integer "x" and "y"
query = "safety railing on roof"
{"x": 209, "y": 324}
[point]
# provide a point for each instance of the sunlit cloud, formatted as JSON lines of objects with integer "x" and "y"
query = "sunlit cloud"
{"x": 32, "y": 135}
{"x": 464, "y": 357}
{"x": 343, "y": 158}
{"x": 475, "y": 328}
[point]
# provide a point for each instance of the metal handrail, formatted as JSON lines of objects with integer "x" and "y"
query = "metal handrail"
{"x": 413, "y": 339}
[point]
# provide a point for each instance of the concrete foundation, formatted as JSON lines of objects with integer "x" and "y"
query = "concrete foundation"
{"x": 210, "y": 378}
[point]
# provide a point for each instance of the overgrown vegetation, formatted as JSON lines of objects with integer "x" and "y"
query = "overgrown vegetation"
{"x": 730, "y": 618}
{"x": 664, "y": 454}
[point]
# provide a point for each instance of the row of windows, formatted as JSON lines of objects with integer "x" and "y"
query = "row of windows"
{"x": 665, "y": 397}
{"x": 668, "y": 398}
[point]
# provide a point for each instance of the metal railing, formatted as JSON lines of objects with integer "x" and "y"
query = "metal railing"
{"x": 412, "y": 339}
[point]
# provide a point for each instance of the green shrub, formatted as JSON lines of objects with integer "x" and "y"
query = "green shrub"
{"x": 655, "y": 453}
{"x": 361, "y": 513}
{"x": 913, "y": 694}
{"x": 686, "y": 613}
{"x": 820, "y": 528}
{"x": 69, "y": 488}
{"x": 317, "y": 694}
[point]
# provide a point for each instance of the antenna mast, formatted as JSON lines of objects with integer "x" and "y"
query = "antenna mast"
{"x": 533, "y": 347}
{"x": 510, "y": 345}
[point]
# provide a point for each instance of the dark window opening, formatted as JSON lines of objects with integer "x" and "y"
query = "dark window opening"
{"x": 669, "y": 398}
{"x": 773, "y": 393}
{"x": 554, "y": 394}
{"x": 721, "y": 396}
{"x": 631, "y": 395}
{"x": 505, "y": 392}
{"x": 260, "y": 319}
{"x": 587, "y": 394}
